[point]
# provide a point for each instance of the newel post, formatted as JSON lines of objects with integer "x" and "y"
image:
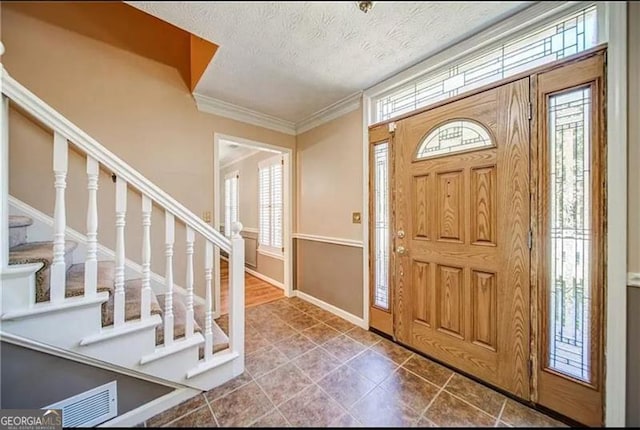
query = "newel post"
{"x": 236, "y": 291}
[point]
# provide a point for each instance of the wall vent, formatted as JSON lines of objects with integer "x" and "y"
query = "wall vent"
{"x": 90, "y": 408}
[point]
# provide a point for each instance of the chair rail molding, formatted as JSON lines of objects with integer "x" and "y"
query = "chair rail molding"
{"x": 327, "y": 239}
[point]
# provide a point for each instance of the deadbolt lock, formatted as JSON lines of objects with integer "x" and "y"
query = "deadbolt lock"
{"x": 401, "y": 234}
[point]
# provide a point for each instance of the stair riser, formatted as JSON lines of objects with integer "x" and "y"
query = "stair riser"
{"x": 124, "y": 350}
{"x": 172, "y": 367}
{"x": 62, "y": 329}
{"x": 18, "y": 293}
{"x": 68, "y": 259}
{"x": 17, "y": 236}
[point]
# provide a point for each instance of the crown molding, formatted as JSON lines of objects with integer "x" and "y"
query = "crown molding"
{"x": 239, "y": 113}
{"x": 331, "y": 112}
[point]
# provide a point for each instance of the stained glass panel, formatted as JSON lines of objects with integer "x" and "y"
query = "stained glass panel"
{"x": 381, "y": 225}
{"x": 567, "y": 36}
{"x": 570, "y": 298}
{"x": 452, "y": 137}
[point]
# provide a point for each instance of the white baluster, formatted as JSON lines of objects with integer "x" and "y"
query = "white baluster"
{"x": 169, "y": 225}
{"x": 146, "y": 258}
{"x": 91, "y": 264}
{"x": 58, "y": 266}
{"x": 121, "y": 210}
{"x": 236, "y": 291}
{"x": 208, "y": 319}
{"x": 189, "y": 322}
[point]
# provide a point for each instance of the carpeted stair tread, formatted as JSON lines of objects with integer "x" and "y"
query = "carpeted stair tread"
{"x": 179, "y": 318}
{"x": 16, "y": 221}
{"x": 132, "y": 302}
{"x": 38, "y": 252}
{"x": 220, "y": 338}
{"x": 75, "y": 278}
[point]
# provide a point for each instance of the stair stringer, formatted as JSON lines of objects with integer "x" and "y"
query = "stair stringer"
{"x": 66, "y": 327}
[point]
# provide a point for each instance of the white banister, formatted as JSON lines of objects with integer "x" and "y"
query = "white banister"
{"x": 169, "y": 230}
{"x": 145, "y": 312}
{"x": 55, "y": 121}
{"x": 208, "y": 319}
{"x": 189, "y": 280}
{"x": 236, "y": 291}
{"x": 121, "y": 210}
{"x": 91, "y": 264}
{"x": 58, "y": 266}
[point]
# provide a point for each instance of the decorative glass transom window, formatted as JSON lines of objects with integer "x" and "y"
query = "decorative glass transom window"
{"x": 459, "y": 135}
{"x": 566, "y": 36}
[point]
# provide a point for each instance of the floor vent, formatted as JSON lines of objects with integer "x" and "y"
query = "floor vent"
{"x": 90, "y": 408}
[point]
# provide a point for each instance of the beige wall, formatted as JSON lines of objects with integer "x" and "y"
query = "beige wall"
{"x": 329, "y": 189}
{"x": 331, "y": 273}
{"x": 329, "y": 169}
{"x": 138, "y": 108}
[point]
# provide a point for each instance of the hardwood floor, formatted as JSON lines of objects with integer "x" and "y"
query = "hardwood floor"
{"x": 257, "y": 291}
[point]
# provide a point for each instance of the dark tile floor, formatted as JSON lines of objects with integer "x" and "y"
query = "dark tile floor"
{"x": 306, "y": 367}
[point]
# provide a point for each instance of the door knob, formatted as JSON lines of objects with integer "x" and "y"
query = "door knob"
{"x": 401, "y": 234}
{"x": 401, "y": 250}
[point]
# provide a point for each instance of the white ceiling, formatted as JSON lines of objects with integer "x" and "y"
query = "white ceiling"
{"x": 229, "y": 152}
{"x": 292, "y": 59}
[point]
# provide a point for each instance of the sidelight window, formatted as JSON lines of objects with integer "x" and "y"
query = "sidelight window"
{"x": 571, "y": 233}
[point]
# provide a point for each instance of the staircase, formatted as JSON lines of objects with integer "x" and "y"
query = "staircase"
{"x": 64, "y": 289}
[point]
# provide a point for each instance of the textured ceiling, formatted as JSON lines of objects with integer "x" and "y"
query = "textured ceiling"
{"x": 291, "y": 59}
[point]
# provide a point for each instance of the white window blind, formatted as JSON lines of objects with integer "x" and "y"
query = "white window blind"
{"x": 231, "y": 201}
{"x": 270, "y": 205}
{"x": 566, "y": 36}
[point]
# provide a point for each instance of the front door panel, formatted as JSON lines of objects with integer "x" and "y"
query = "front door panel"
{"x": 462, "y": 268}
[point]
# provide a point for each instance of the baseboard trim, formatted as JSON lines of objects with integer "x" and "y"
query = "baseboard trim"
{"x": 259, "y": 275}
{"x": 331, "y": 308}
{"x": 151, "y": 409}
{"x": 83, "y": 359}
{"x": 264, "y": 278}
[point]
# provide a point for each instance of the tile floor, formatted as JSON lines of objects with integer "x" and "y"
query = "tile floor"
{"x": 305, "y": 367}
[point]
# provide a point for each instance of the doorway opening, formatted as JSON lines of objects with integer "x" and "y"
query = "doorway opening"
{"x": 252, "y": 183}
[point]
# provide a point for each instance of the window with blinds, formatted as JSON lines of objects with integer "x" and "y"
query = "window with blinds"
{"x": 231, "y": 201}
{"x": 270, "y": 205}
{"x": 566, "y": 36}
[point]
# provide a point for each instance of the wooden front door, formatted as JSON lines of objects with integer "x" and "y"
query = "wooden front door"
{"x": 461, "y": 234}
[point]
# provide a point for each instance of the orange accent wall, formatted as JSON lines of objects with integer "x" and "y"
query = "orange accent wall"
{"x": 202, "y": 51}
{"x": 130, "y": 29}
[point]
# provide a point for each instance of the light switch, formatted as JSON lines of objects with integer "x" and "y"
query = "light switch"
{"x": 206, "y": 216}
{"x": 355, "y": 218}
